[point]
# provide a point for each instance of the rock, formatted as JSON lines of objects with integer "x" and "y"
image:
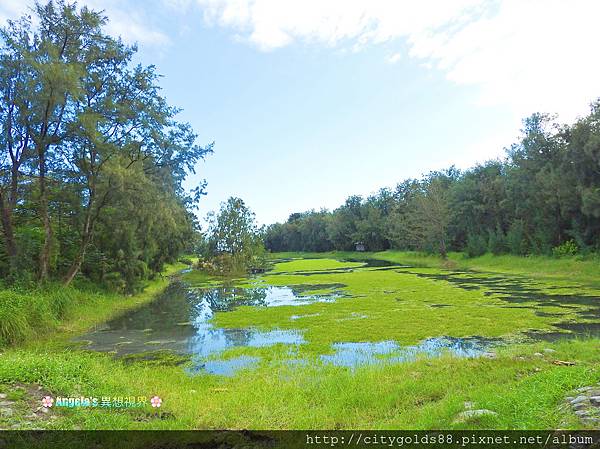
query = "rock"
{"x": 5, "y": 411}
{"x": 580, "y": 406}
{"x": 6, "y": 403}
{"x": 579, "y": 399}
{"x": 469, "y": 405}
{"x": 489, "y": 355}
{"x": 570, "y": 398}
{"x": 592, "y": 421}
{"x": 582, "y": 413}
{"x": 538, "y": 354}
{"x": 471, "y": 414}
{"x": 594, "y": 392}
{"x": 549, "y": 351}
{"x": 595, "y": 400}
{"x": 584, "y": 389}
{"x": 2, "y": 396}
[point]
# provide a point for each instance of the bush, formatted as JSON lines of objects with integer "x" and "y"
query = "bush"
{"x": 566, "y": 249}
{"x": 476, "y": 246}
{"x": 515, "y": 238}
{"x": 497, "y": 242}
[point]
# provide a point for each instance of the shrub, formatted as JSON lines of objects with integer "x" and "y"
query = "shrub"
{"x": 476, "y": 245}
{"x": 565, "y": 249}
{"x": 497, "y": 242}
{"x": 515, "y": 238}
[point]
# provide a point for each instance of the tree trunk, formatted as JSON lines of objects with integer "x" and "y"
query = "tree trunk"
{"x": 443, "y": 251}
{"x": 78, "y": 261}
{"x": 9, "y": 235}
{"x": 45, "y": 252}
{"x": 75, "y": 266}
{"x": 86, "y": 238}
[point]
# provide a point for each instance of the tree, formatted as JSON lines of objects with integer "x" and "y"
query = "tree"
{"x": 430, "y": 215}
{"x": 233, "y": 237}
{"x": 86, "y": 138}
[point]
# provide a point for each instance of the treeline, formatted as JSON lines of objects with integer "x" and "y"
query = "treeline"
{"x": 543, "y": 198}
{"x": 93, "y": 158}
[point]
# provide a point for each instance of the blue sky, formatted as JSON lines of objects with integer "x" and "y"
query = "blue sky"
{"x": 309, "y": 102}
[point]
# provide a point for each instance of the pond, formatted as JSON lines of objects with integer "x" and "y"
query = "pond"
{"x": 178, "y": 321}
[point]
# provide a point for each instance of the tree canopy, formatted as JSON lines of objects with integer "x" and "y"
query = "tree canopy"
{"x": 93, "y": 158}
{"x": 542, "y": 198}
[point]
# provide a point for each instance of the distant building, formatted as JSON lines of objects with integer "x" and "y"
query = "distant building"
{"x": 360, "y": 246}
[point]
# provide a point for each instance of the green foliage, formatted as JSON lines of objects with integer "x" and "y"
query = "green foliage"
{"x": 546, "y": 189}
{"x": 565, "y": 249}
{"x": 515, "y": 238}
{"x": 107, "y": 198}
{"x": 233, "y": 242}
{"x": 496, "y": 242}
{"x": 476, "y": 245}
{"x": 26, "y": 313}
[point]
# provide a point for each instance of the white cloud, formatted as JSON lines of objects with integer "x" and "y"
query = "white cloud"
{"x": 132, "y": 24}
{"x": 525, "y": 54}
{"x": 394, "y": 58}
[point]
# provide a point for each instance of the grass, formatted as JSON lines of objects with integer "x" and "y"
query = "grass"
{"x": 28, "y": 315}
{"x": 526, "y": 390}
{"x": 574, "y": 268}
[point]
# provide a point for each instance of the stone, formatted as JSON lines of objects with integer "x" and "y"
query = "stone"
{"x": 5, "y": 411}
{"x": 579, "y": 399}
{"x": 471, "y": 414}
{"x": 2, "y": 396}
{"x": 595, "y": 400}
{"x": 584, "y": 389}
{"x": 570, "y": 398}
{"x": 6, "y": 403}
{"x": 582, "y": 413}
{"x": 538, "y": 354}
{"x": 579, "y": 406}
{"x": 489, "y": 355}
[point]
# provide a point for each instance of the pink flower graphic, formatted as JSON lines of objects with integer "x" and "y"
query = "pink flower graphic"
{"x": 47, "y": 401}
{"x": 155, "y": 401}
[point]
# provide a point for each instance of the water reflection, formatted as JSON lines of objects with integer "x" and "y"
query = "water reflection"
{"x": 370, "y": 353}
{"x": 178, "y": 321}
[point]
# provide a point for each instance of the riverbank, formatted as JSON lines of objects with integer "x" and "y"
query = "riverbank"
{"x": 31, "y": 314}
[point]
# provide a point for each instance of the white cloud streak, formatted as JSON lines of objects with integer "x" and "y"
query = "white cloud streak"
{"x": 527, "y": 55}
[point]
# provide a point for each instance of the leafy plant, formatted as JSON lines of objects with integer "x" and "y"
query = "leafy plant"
{"x": 565, "y": 249}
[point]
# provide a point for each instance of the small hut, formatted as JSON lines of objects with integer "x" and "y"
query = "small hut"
{"x": 360, "y": 246}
